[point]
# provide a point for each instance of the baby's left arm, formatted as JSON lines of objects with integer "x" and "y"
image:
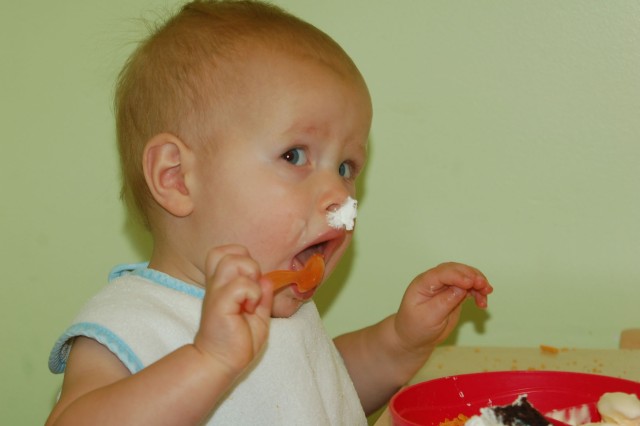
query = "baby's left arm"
{"x": 384, "y": 356}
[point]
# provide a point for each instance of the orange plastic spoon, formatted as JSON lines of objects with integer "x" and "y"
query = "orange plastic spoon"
{"x": 306, "y": 279}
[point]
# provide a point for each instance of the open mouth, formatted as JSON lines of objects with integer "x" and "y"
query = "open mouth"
{"x": 325, "y": 245}
{"x": 301, "y": 259}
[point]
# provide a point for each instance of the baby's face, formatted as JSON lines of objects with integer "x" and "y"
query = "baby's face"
{"x": 294, "y": 145}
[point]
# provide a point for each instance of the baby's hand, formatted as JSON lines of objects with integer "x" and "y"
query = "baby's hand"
{"x": 431, "y": 305}
{"x": 236, "y": 310}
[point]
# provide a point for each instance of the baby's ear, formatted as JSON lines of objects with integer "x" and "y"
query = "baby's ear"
{"x": 164, "y": 159}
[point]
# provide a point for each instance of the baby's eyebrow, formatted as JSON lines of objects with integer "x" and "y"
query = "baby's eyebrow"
{"x": 302, "y": 126}
{"x": 360, "y": 153}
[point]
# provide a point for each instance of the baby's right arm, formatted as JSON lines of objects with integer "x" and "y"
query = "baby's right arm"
{"x": 183, "y": 387}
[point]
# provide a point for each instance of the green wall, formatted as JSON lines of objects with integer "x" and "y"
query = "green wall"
{"x": 506, "y": 135}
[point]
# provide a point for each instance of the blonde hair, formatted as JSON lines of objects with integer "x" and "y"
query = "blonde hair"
{"x": 174, "y": 80}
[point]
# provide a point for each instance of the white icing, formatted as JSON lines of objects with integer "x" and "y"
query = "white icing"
{"x": 573, "y": 416}
{"x": 487, "y": 417}
{"x": 344, "y": 216}
{"x": 620, "y": 408}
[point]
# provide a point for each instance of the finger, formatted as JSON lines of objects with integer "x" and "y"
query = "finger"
{"x": 261, "y": 317}
{"x": 480, "y": 282}
{"x": 240, "y": 295}
{"x": 232, "y": 266}
{"x": 454, "y": 295}
{"x": 464, "y": 276}
{"x": 445, "y": 275}
{"x": 216, "y": 254}
{"x": 265, "y": 305}
{"x": 484, "y": 288}
{"x": 446, "y": 301}
{"x": 480, "y": 298}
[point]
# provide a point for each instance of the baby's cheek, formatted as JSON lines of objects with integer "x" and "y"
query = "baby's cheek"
{"x": 278, "y": 235}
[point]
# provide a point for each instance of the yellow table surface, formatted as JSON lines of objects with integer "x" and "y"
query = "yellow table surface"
{"x": 453, "y": 360}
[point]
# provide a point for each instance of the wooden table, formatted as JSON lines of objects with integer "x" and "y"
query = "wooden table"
{"x": 454, "y": 360}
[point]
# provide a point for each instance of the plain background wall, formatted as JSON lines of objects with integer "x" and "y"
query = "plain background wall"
{"x": 506, "y": 135}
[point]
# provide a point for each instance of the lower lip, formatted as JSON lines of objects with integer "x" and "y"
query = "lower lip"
{"x": 303, "y": 295}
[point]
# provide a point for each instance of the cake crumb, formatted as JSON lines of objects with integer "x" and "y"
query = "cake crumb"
{"x": 546, "y": 349}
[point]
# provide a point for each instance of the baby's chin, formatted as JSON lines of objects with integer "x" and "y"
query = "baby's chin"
{"x": 284, "y": 306}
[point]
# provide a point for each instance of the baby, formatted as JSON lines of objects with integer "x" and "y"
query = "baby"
{"x": 240, "y": 129}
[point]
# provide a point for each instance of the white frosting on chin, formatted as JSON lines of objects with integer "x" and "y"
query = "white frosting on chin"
{"x": 344, "y": 216}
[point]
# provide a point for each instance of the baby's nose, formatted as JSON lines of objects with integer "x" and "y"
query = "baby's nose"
{"x": 333, "y": 207}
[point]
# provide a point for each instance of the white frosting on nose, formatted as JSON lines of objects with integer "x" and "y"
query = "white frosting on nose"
{"x": 344, "y": 216}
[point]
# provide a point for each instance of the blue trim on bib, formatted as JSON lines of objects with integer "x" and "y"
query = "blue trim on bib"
{"x": 141, "y": 270}
{"x": 170, "y": 282}
{"x": 62, "y": 347}
{"x": 125, "y": 269}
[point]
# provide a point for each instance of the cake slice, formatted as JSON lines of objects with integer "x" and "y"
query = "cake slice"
{"x": 520, "y": 413}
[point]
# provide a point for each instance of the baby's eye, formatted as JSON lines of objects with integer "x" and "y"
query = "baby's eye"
{"x": 295, "y": 156}
{"x": 346, "y": 170}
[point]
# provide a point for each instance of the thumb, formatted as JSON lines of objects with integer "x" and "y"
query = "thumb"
{"x": 447, "y": 301}
{"x": 265, "y": 304}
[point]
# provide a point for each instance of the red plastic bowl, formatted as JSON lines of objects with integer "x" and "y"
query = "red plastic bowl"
{"x": 429, "y": 403}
